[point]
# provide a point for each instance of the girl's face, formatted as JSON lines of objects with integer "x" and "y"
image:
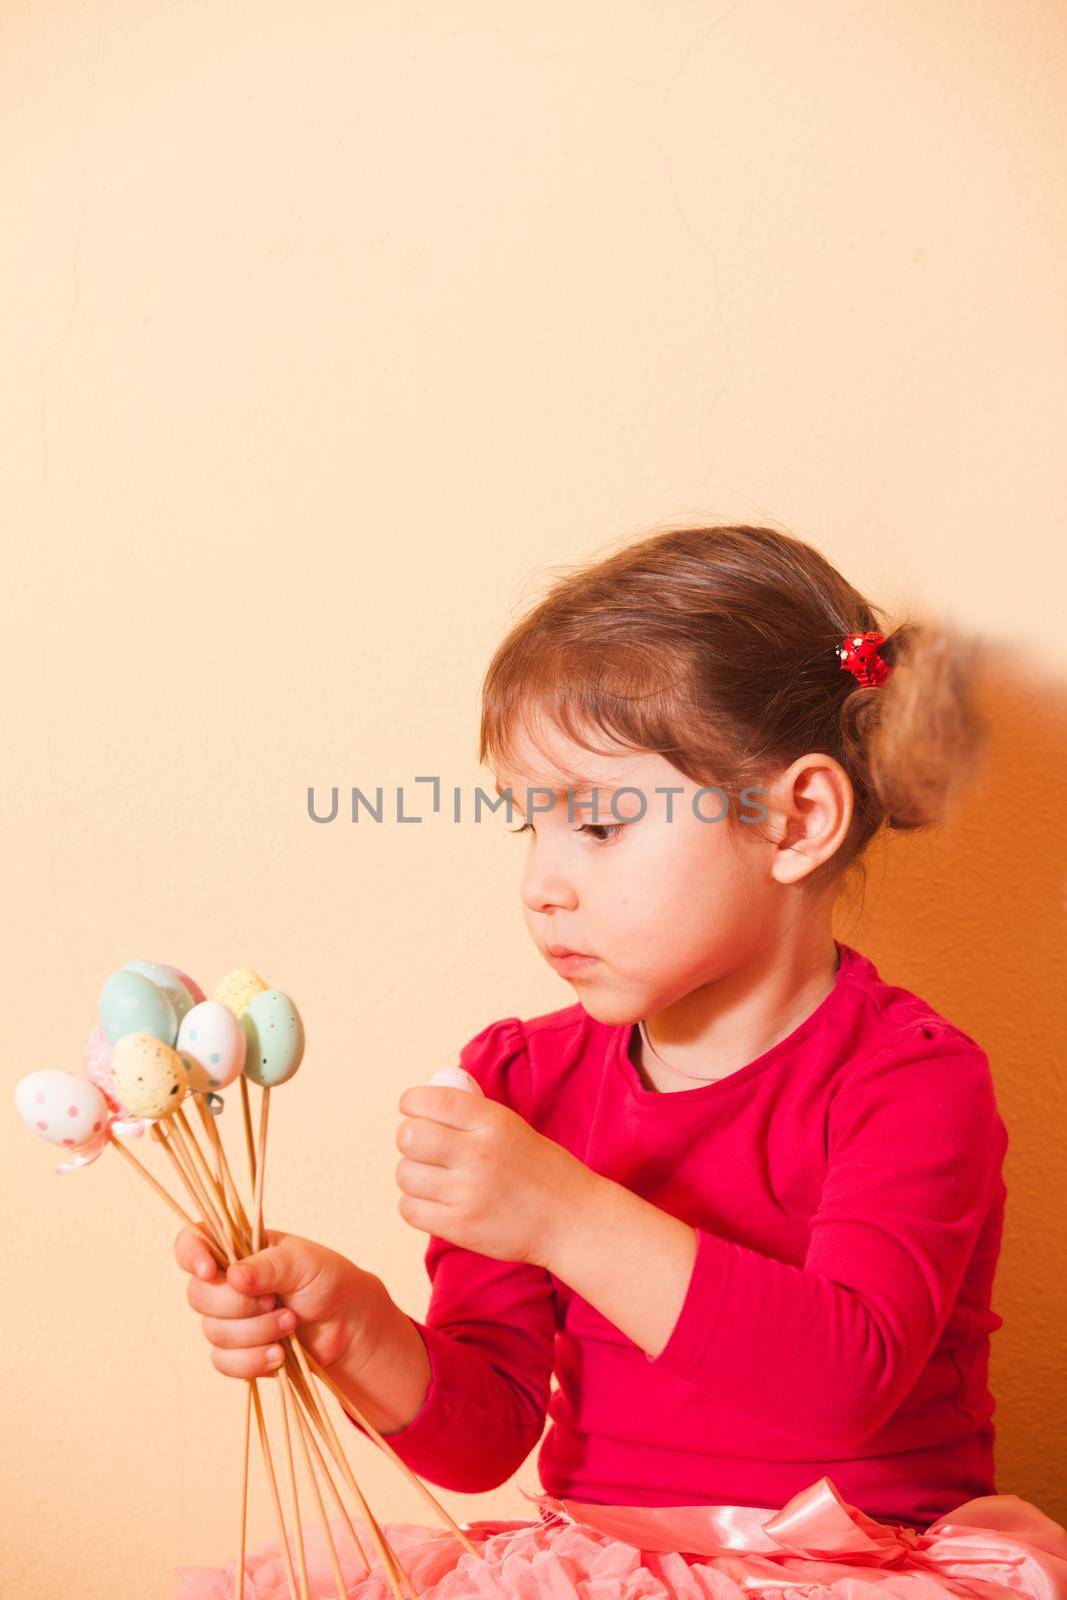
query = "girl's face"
{"x": 665, "y": 901}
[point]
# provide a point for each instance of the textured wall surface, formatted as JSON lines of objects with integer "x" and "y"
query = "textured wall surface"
{"x": 324, "y": 336}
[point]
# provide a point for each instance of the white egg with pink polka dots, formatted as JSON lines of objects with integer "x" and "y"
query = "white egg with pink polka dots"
{"x": 64, "y": 1109}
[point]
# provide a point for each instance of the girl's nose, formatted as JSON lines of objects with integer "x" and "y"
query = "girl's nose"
{"x": 544, "y": 886}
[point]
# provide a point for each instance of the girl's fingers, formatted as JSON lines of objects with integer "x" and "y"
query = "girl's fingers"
{"x": 422, "y": 1180}
{"x": 220, "y": 1300}
{"x": 193, "y": 1255}
{"x": 239, "y": 1333}
{"x": 281, "y": 1268}
{"x": 257, "y": 1363}
{"x": 424, "y": 1141}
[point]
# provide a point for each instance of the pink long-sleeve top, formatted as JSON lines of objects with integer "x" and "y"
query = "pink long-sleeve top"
{"x": 847, "y": 1195}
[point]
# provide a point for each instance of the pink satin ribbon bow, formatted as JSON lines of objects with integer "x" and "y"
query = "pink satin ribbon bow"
{"x": 92, "y": 1149}
{"x": 994, "y": 1546}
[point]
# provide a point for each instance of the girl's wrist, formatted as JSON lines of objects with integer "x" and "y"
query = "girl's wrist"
{"x": 365, "y": 1322}
{"x": 385, "y": 1369}
{"x": 577, "y": 1202}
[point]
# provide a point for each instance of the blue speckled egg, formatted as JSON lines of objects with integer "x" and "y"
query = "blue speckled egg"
{"x": 275, "y": 1036}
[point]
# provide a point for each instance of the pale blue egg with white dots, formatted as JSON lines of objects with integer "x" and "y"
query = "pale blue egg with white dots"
{"x": 275, "y": 1035}
{"x": 132, "y": 1003}
{"x": 211, "y": 1045}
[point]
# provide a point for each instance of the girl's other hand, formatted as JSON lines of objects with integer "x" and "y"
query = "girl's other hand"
{"x": 476, "y": 1173}
{"x": 292, "y": 1284}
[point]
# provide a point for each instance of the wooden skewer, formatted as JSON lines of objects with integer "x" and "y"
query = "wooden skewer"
{"x": 308, "y": 1440}
{"x": 166, "y": 1129}
{"x": 207, "y": 1123}
{"x": 261, "y": 1162}
{"x": 224, "y": 1172}
{"x": 300, "y": 1356}
{"x": 300, "y": 1428}
{"x": 283, "y": 1376}
{"x": 196, "y": 1187}
{"x": 179, "y": 1157}
{"x": 242, "y": 1228}
{"x": 246, "y": 1445}
{"x": 219, "y": 1255}
{"x": 293, "y": 1391}
{"x": 246, "y": 1115}
{"x": 294, "y": 1492}
{"x": 265, "y": 1446}
{"x": 208, "y": 1178}
{"x": 218, "y": 1247}
{"x": 128, "y": 1155}
{"x": 175, "y": 1143}
{"x": 240, "y": 1245}
{"x": 185, "y": 1134}
{"x": 239, "y": 1570}
{"x": 310, "y": 1404}
{"x": 391, "y": 1563}
{"x": 189, "y": 1175}
{"x": 354, "y": 1411}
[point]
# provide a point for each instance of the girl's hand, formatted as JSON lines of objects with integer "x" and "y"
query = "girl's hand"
{"x": 475, "y": 1173}
{"x": 292, "y": 1284}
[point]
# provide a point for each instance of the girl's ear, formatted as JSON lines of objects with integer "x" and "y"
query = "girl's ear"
{"x": 811, "y": 807}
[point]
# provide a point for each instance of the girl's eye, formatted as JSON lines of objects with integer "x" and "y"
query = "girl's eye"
{"x": 602, "y": 832}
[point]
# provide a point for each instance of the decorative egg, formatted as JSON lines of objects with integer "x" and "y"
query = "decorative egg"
{"x": 168, "y": 982}
{"x": 211, "y": 1044}
{"x": 275, "y": 1037}
{"x": 61, "y": 1107}
{"x": 132, "y": 1003}
{"x": 236, "y": 989}
{"x": 183, "y": 977}
{"x": 149, "y": 1077}
{"x": 96, "y": 1058}
{"x": 456, "y": 1078}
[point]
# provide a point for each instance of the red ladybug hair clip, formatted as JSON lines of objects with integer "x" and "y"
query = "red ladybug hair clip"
{"x": 859, "y": 655}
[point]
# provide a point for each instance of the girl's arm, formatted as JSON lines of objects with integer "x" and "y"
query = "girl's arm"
{"x": 828, "y": 1350}
{"x": 464, "y": 1395}
{"x": 639, "y": 1284}
{"x": 389, "y": 1385}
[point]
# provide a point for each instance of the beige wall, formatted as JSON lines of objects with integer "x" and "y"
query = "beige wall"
{"x": 326, "y": 329}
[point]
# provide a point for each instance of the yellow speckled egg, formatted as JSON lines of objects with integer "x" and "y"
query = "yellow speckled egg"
{"x": 236, "y": 989}
{"x": 148, "y": 1075}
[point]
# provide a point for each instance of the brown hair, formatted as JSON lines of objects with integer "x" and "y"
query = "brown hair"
{"x": 715, "y": 647}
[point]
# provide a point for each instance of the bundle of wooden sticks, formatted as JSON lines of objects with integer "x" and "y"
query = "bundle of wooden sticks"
{"x": 159, "y": 1043}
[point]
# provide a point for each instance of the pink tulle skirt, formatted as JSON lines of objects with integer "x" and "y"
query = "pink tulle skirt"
{"x": 994, "y": 1547}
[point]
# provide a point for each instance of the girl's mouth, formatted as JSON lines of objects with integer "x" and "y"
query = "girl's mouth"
{"x": 572, "y": 962}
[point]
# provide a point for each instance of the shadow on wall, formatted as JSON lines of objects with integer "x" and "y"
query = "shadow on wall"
{"x": 973, "y": 916}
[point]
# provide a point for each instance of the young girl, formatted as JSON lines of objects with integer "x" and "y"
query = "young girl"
{"x": 743, "y": 1197}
